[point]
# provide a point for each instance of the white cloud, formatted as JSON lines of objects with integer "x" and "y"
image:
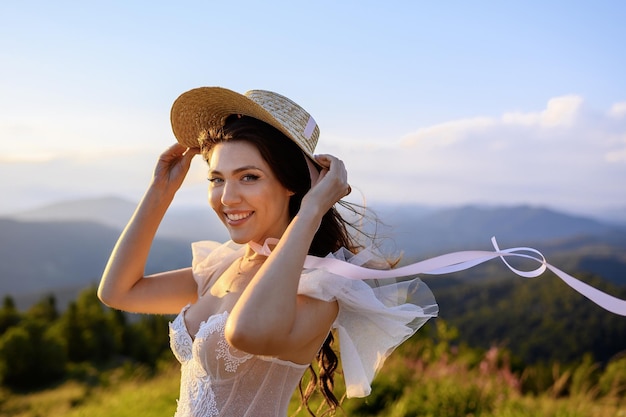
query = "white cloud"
{"x": 616, "y": 156}
{"x": 446, "y": 134}
{"x": 560, "y": 111}
{"x": 566, "y": 155}
{"x": 618, "y": 110}
{"x": 618, "y": 153}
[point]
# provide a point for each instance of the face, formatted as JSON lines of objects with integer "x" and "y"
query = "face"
{"x": 245, "y": 194}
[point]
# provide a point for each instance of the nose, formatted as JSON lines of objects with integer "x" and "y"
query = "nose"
{"x": 230, "y": 193}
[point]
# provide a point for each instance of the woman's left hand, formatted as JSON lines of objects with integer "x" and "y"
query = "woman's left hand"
{"x": 331, "y": 185}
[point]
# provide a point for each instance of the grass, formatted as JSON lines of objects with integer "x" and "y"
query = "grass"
{"x": 449, "y": 387}
{"x": 120, "y": 396}
{"x": 119, "y": 393}
{"x": 406, "y": 388}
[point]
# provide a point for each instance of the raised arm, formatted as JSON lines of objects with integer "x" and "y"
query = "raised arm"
{"x": 270, "y": 318}
{"x": 123, "y": 284}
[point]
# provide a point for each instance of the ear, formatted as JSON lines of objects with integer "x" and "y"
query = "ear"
{"x": 290, "y": 193}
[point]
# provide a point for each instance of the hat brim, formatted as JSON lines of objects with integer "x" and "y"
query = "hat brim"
{"x": 200, "y": 109}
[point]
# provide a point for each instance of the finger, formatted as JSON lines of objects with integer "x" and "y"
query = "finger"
{"x": 176, "y": 149}
{"x": 324, "y": 160}
{"x": 187, "y": 157}
{"x": 332, "y": 163}
{"x": 333, "y": 167}
{"x": 189, "y": 153}
{"x": 192, "y": 151}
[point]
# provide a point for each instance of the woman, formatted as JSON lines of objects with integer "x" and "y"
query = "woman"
{"x": 251, "y": 317}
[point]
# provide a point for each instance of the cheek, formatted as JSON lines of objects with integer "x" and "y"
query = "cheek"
{"x": 214, "y": 199}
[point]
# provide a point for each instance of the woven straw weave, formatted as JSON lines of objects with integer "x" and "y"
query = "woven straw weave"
{"x": 197, "y": 110}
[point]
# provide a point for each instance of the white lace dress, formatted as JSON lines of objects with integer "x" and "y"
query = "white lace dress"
{"x": 218, "y": 380}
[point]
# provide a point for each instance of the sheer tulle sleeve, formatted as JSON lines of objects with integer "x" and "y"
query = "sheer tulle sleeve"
{"x": 375, "y": 316}
{"x": 211, "y": 259}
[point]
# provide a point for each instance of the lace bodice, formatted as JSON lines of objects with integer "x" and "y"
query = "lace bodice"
{"x": 218, "y": 380}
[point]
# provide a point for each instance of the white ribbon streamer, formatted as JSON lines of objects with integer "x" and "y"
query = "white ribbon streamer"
{"x": 459, "y": 261}
{"x": 455, "y": 262}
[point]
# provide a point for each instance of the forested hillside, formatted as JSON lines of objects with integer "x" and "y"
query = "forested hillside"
{"x": 539, "y": 320}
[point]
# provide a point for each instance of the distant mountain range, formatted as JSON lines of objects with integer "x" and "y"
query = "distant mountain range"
{"x": 181, "y": 223}
{"x": 64, "y": 247}
{"x": 466, "y": 227}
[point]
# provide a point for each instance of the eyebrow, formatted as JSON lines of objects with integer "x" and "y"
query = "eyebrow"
{"x": 238, "y": 170}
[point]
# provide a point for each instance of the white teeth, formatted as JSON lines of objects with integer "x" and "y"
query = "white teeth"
{"x": 237, "y": 216}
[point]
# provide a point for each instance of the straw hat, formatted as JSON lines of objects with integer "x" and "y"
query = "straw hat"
{"x": 196, "y": 110}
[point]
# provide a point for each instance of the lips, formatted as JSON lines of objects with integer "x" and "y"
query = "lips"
{"x": 238, "y": 217}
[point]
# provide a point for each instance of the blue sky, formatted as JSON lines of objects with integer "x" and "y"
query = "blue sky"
{"x": 438, "y": 104}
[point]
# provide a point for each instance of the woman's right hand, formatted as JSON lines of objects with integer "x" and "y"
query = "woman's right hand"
{"x": 172, "y": 167}
{"x": 123, "y": 285}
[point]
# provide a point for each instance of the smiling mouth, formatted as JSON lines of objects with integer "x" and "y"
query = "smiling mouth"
{"x": 233, "y": 217}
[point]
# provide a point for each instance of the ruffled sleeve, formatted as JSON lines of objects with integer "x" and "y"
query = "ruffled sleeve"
{"x": 375, "y": 316}
{"x": 210, "y": 259}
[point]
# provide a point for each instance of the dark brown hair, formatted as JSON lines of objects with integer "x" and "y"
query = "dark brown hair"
{"x": 289, "y": 165}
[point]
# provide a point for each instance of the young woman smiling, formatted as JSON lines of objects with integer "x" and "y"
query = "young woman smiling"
{"x": 252, "y": 317}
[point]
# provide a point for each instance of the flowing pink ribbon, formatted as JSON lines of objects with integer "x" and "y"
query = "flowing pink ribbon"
{"x": 455, "y": 262}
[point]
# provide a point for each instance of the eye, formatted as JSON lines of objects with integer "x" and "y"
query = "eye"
{"x": 215, "y": 180}
{"x": 249, "y": 178}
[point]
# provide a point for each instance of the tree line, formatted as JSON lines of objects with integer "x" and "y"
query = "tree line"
{"x": 42, "y": 345}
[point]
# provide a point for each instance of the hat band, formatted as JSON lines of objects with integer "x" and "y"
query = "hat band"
{"x": 310, "y": 127}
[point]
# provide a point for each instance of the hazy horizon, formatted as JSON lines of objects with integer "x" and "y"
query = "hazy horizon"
{"x": 616, "y": 216}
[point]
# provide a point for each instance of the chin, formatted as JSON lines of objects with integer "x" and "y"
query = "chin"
{"x": 239, "y": 241}
{"x": 239, "y": 238}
